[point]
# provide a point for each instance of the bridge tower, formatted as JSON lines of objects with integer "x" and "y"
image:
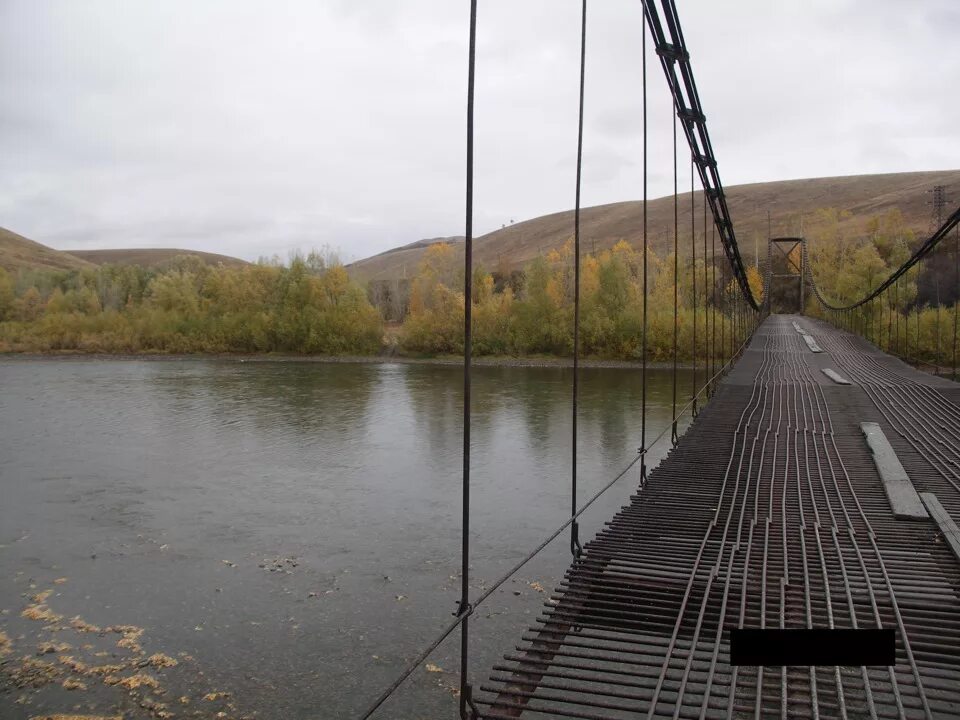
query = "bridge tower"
{"x": 786, "y": 264}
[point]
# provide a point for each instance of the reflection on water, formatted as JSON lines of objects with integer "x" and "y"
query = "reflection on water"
{"x": 165, "y": 491}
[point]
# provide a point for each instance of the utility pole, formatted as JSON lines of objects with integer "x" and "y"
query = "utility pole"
{"x": 938, "y": 205}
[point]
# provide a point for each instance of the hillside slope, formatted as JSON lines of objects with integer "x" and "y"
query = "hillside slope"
{"x": 791, "y": 204}
{"x": 18, "y": 252}
{"x": 151, "y": 257}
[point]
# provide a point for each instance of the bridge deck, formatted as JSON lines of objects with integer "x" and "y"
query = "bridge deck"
{"x": 770, "y": 513}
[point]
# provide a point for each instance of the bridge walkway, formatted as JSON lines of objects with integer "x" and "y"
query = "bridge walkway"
{"x": 771, "y": 513}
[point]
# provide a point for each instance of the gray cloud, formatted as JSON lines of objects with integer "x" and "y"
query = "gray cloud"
{"x": 251, "y": 128}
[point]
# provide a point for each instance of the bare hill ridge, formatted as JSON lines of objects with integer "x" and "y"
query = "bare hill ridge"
{"x": 18, "y": 252}
{"x": 151, "y": 257}
{"x": 791, "y": 203}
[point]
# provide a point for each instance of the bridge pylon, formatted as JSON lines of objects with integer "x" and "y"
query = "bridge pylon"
{"x": 790, "y": 259}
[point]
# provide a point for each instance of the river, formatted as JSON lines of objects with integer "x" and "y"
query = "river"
{"x": 287, "y": 532}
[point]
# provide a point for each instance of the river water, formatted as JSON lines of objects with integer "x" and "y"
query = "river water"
{"x": 287, "y": 532}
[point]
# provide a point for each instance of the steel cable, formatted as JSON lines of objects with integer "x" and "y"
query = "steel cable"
{"x": 676, "y": 278}
{"x": 463, "y": 609}
{"x": 643, "y": 368}
{"x": 717, "y": 202}
{"x": 574, "y": 528}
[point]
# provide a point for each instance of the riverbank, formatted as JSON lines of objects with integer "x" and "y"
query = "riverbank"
{"x": 484, "y": 361}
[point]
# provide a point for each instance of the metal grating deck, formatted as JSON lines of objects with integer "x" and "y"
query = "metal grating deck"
{"x": 769, "y": 513}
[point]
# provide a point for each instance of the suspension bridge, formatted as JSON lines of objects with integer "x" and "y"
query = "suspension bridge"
{"x": 797, "y": 553}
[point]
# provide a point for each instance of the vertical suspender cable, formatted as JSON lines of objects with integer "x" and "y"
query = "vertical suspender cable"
{"x": 882, "y": 301}
{"x": 906, "y": 322}
{"x": 956, "y": 300}
{"x": 885, "y": 317}
{"x": 918, "y": 306}
{"x": 676, "y": 282}
{"x": 874, "y": 326}
{"x": 706, "y": 306}
{"x": 464, "y": 604}
{"x": 643, "y": 367}
{"x": 723, "y": 313}
{"x": 574, "y": 528}
{"x": 713, "y": 293}
{"x": 936, "y": 278}
{"x": 878, "y": 313}
{"x": 889, "y": 303}
{"x": 693, "y": 273}
{"x": 896, "y": 301}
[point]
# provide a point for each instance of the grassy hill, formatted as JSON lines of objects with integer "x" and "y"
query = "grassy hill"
{"x": 151, "y": 257}
{"x": 791, "y": 203}
{"x": 18, "y": 252}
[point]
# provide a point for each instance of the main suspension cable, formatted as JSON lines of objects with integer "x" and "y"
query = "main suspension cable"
{"x": 575, "y": 548}
{"x": 675, "y": 59}
{"x": 953, "y": 221}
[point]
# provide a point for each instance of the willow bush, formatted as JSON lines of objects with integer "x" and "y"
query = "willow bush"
{"x": 189, "y": 307}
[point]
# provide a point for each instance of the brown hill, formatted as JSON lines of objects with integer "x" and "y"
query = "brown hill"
{"x": 18, "y": 252}
{"x": 151, "y": 257}
{"x": 398, "y": 262}
{"x": 791, "y": 204}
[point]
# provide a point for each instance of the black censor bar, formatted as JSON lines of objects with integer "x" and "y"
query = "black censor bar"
{"x": 816, "y": 646}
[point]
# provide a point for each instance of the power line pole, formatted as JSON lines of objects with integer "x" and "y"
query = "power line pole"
{"x": 938, "y": 204}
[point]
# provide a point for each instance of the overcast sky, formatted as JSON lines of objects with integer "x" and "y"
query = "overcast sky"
{"x": 253, "y": 128}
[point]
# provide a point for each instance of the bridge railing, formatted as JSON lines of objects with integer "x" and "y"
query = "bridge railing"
{"x": 914, "y": 313}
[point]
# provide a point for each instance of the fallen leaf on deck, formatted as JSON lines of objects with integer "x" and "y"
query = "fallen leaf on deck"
{"x": 211, "y": 696}
{"x": 61, "y": 716}
{"x": 81, "y": 625}
{"x": 135, "y": 681}
{"x": 40, "y": 612}
{"x": 161, "y": 660}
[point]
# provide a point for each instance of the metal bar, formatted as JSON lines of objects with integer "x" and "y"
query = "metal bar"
{"x": 574, "y": 529}
{"x": 643, "y": 368}
{"x": 463, "y": 609}
{"x": 676, "y": 281}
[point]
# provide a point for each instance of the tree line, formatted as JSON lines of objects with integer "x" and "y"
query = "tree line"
{"x": 916, "y": 318}
{"x": 531, "y": 312}
{"x": 186, "y": 306}
{"x": 311, "y": 306}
